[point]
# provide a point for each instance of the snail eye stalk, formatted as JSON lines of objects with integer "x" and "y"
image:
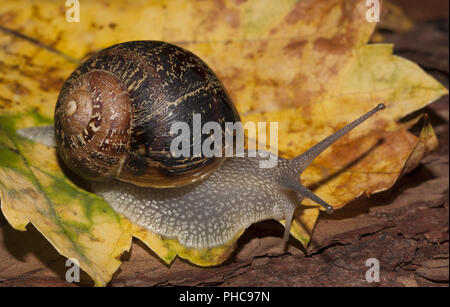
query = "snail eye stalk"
{"x": 301, "y": 162}
{"x": 304, "y": 160}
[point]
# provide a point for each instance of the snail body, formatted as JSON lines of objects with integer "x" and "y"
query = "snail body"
{"x": 112, "y": 127}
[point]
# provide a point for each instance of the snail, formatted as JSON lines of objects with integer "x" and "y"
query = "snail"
{"x": 112, "y": 127}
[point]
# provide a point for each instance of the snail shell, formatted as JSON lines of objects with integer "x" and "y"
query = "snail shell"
{"x": 114, "y": 114}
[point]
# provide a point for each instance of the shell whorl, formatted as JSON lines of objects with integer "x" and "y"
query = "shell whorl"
{"x": 163, "y": 84}
{"x": 92, "y": 125}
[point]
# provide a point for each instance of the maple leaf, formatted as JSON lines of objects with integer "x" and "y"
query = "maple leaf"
{"x": 304, "y": 64}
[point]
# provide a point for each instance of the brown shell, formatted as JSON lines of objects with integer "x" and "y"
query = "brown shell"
{"x": 114, "y": 114}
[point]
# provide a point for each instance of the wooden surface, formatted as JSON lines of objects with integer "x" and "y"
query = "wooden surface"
{"x": 405, "y": 228}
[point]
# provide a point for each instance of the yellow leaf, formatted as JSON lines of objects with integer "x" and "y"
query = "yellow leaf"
{"x": 87, "y": 229}
{"x": 427, "y": 143}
